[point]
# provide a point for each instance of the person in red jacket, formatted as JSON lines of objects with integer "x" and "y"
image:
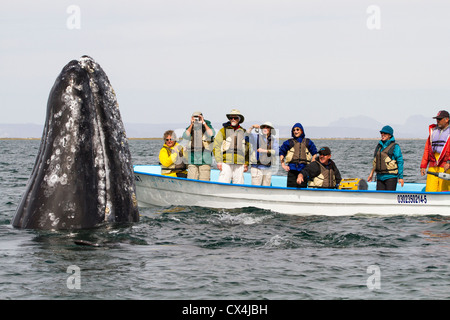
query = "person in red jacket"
{"x": 436, "y": 155}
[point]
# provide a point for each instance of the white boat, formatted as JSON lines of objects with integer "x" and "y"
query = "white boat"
{"x": 154, "y": 189}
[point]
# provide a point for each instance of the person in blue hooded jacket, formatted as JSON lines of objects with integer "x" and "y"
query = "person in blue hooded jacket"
{"x": 387, "y": 162}
{"x": 295, "y": 154}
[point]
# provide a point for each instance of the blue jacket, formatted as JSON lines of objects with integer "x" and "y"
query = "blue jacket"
{"x": 285, "y": 147}
{"x": 397, "y": 155}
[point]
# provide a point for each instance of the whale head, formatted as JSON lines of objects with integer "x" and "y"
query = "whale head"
{"x": 83, "y": 174}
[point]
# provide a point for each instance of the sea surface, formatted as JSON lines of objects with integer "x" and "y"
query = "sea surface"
{"x": 196, "y": 253}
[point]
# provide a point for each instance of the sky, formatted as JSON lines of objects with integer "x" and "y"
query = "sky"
{"x": 284, "y": 61}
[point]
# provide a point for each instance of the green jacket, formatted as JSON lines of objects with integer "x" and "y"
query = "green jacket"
{"x": 200, "y": 145}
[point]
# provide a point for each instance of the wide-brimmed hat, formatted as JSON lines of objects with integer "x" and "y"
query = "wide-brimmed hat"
{"x": 197, "y": 113}
{"x": 236, "y": 112}
{"x": 267, "y": 124}
{"x": 442, "y": 114}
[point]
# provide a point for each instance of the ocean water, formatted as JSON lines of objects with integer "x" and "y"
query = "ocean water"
{"x": 196, "y": 253}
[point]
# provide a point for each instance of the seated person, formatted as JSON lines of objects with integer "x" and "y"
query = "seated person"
{"x": 321, "y": 173}
{"x": 171, "y": 157}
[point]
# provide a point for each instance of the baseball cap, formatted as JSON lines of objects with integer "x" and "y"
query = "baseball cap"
{"x": 442, "y": 114}
{"x": 324, "y": 151}
{"x": 388, "y": 130}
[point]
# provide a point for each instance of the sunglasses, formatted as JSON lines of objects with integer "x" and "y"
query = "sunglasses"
{"x": 297, "y": 129}
{"x": 234, "y": 118}
{"x": 170, "y": 140}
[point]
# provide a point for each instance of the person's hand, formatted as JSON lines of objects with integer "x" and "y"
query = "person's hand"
{"x": 300, "y": 178}
{"x": 219, "y": 166}
{"x": 402, "y": 182}
{"x": 423, "y": 171}
{"x": 285, "y": 167}
{"x": 446, "y": 166}
{"x": 245, "y": 168}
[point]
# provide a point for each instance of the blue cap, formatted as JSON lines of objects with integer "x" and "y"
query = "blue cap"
{"x": 388, "y": 130}
{"x": 324, "y": 151}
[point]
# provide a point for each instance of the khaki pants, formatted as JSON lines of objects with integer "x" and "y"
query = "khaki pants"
{"x": 232, "y": 172}
{"x": 261, "y": 177}
{"x": 199, "y": 172}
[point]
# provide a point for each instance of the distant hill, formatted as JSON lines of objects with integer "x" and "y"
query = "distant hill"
{"x": 415, "y": 127}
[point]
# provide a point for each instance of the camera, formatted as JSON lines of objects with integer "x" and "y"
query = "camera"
{"x": 196, "y": 118}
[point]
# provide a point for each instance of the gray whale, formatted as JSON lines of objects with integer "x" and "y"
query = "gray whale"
{"x": 83, "y": 175}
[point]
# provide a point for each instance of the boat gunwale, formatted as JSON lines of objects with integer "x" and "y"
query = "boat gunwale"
{"x": 286, "y": 188}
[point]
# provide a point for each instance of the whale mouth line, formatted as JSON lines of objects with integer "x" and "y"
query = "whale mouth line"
{"x": 101, "y": 158}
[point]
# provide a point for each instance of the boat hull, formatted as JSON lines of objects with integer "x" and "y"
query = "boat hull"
{"x": 154, "y": 189}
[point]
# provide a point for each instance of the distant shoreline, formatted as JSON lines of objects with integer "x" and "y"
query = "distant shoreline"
{"x": 40, "y": 138}
{"x": 282, "y": 139}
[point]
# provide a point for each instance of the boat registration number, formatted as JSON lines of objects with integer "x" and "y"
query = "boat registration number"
{"x": 412, "y": 198}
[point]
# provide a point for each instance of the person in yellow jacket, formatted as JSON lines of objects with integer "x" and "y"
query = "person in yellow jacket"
{"x": 231, "y": 149}
{"x": 171, "y": 157}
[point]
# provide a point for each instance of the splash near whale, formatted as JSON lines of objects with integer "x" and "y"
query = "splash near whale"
{"x": 83, "y": 175}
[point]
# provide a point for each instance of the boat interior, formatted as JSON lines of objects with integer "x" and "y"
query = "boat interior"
{"x": 280, "y": 181}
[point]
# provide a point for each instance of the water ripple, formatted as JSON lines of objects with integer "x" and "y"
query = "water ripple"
{"x": 201, "y": 253}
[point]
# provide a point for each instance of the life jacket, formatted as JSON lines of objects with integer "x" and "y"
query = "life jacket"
{"x": 326, "y": 178}
{"x": 383, "y": 162}
{"x": 177, "y": 167}
{"x": 263, "y": 158}
{"x": 298, "y": 152}
{"x": 428, "y": 158}
{"x": 438, "y": 139}
{"x": 234, "y": 141}
{"x": 199, "y": 143}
